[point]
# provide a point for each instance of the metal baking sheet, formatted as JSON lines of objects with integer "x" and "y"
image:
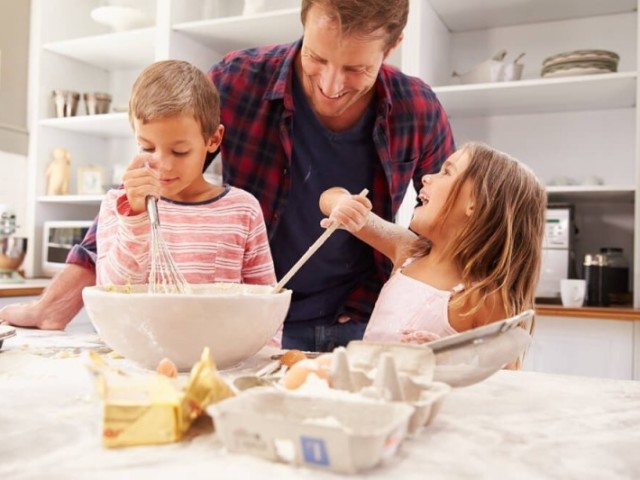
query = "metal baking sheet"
{"x": 479, "y": 334}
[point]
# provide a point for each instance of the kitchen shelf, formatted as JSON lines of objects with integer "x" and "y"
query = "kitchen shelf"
{"x": 591, "y": 193}
{"x": 232, "y": 33}
{"x": 111, "y": 51}
{"x": 466, "y": 15}
{"x": 90, "y": 200}
{"x": 544, "y": 95}
{"x": 110, "y": 125}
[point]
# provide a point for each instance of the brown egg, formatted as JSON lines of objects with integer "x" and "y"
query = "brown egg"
{"x": 299, "y": 372}
{"x": 167, "y": 368}
{"x": 292, "y": 357}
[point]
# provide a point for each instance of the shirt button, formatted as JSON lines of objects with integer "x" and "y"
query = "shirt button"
{"x": 285, "y": 171}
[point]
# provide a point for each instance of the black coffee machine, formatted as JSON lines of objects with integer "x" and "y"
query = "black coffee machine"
{"x": 607, "y": 277}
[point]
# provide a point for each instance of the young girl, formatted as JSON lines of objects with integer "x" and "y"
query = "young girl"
{"x": 474, "y": 257}
{"x": 214, "y": 233}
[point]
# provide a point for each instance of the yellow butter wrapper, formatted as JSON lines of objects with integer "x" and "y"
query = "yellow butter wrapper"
{"x": 138, "y": 412}
{"x": 205, "y": 386}
{"x": 150, "y": 410}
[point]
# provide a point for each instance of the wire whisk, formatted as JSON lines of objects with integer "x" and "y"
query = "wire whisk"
{"x": 164, "y": 276}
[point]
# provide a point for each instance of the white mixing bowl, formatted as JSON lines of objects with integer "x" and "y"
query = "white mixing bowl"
{"x": 233, "y": 320}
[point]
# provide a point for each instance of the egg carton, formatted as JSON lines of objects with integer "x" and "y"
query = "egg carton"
{"x": 343, "y": 434}
{"x": 394, "y": 373}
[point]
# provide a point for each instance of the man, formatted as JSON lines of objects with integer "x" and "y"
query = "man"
{"x": 300, "y": 118}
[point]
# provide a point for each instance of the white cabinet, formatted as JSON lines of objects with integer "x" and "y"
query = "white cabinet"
{"x": 583, "y": 346}
{"x": 576, "y": 127}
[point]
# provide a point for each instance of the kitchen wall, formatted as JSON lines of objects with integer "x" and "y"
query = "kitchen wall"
{"x": 14, "y": 58}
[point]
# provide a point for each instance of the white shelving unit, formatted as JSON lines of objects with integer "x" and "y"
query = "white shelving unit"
{"x": 70, "y": 51}
{"x": 576, "y": 127}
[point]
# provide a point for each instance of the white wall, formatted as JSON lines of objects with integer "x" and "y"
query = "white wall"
{"x": 14, "y": 48}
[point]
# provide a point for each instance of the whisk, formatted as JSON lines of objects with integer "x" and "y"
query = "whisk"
{"x": 164, "y": 276}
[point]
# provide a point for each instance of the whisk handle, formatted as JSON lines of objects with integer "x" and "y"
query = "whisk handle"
{"x": 152, "y": 209}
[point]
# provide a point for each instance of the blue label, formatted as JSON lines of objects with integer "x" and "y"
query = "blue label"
{"x": 314, "y": 450}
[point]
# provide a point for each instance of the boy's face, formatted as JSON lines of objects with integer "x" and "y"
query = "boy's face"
{"x": 179, "y": 152}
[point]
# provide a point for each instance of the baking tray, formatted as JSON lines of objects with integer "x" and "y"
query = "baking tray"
{"x": 480, "y": 334}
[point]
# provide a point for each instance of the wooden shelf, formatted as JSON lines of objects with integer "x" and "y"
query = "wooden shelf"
{"x": 602, "y": 313}
{"x": 105, "y": 125}
{"x": 232, "y": 33}
{"x": 544, "y": 95}
{"x": 466, "y": 15}
{"x": 111, "y": 51}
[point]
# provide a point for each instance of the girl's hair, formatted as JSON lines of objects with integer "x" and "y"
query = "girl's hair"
{"x": 500, "y": 246}
{"x": 175, "y": 87}
{"x": 364, "y": 17}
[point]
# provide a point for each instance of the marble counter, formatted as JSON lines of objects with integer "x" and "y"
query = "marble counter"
{"x": 518, "y": 425}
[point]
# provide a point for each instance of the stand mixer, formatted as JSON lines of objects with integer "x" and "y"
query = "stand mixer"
{"x": 12, "y": 249}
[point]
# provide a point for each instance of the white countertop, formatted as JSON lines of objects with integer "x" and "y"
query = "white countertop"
{"x": 513, "y": 425}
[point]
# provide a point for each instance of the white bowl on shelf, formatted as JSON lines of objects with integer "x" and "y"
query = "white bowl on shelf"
{"x": 121, "y": 18}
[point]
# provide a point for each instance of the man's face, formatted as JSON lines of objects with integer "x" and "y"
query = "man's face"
{"x": 338, "y": 73}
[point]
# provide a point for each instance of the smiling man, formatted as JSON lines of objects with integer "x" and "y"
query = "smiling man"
{"x": 321, "y": 112}
{"x": 300, "y": 118}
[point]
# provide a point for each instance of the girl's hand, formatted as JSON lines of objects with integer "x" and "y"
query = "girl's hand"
{"x": 351, "y": 211}
{"x": 417, "y": 336}
{"x": 140, "y": 180}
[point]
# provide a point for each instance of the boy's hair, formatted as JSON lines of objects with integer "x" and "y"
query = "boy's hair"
{"x": 364, "y": 17}
{"x": 500, "y": 246}
{"x": 175, "y": 87}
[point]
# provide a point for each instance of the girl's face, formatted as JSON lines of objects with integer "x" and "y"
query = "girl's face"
{"x": 179, "y": 152}
{"x": 434, "y": 193}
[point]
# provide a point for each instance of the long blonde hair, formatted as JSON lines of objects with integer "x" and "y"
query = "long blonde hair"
{"x": 500, "y": 246}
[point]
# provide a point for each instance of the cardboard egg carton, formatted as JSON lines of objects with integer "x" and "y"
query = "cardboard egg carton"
{"x": 394, "y": 373}
{"x": 346, "y": 434}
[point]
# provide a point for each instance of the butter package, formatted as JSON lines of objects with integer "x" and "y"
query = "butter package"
{"x": 154, "y": 409}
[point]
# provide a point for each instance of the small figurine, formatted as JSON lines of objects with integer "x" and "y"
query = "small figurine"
{"x": 59, "y": 173}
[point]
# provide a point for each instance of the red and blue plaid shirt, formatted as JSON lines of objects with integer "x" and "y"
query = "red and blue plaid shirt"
{"x": 411, "y": 134}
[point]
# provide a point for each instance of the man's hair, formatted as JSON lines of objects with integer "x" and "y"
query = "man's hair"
{"x": 364, "y": 17}
{"x": 174, "y": 87}
{"x": 500, "y": 246}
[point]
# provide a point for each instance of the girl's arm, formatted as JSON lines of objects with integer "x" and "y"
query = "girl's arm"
{"x": 354, "y": 214}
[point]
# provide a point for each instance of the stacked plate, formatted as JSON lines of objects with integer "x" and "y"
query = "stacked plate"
{"x": 580, "y": 62}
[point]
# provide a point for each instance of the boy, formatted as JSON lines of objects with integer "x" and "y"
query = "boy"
{"x": 214, "y": 233}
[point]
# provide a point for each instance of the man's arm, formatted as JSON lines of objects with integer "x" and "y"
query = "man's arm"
{"x": 57, "y": 305}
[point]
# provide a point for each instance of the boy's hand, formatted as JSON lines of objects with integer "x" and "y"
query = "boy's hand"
{"x": 417, "y": 336}
{"x": 140, "y": 180}
{"x": 350, "y": 211}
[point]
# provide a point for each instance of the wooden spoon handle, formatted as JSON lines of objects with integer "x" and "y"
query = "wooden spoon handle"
{"x": 310, "y": 251}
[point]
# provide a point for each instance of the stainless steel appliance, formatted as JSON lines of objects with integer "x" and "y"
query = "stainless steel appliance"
{"x": 58, "y": 239}
{"x": 12, "y": 249}
{"x": 557, "y": 252}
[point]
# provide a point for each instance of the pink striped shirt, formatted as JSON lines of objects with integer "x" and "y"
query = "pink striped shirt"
{"x": 219, "y": 240}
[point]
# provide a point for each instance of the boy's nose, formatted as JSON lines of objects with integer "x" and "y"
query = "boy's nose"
{"x": 426, "y": 179}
